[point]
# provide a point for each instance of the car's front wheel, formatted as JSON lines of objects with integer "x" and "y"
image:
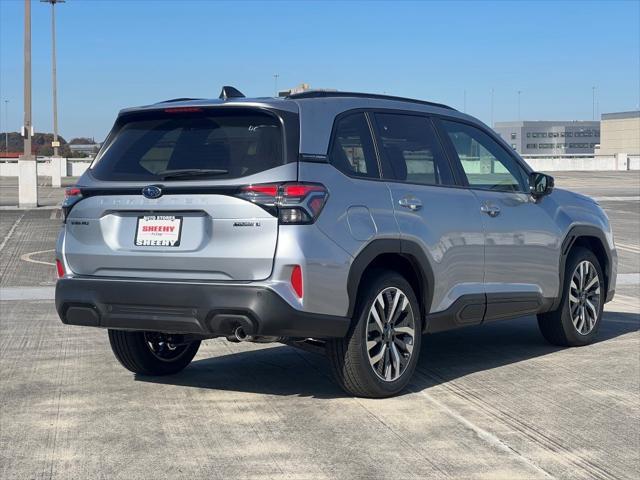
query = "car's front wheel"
{"x": 379, "y": 354}
{"x": 578, "y": 317}
{"x": 151, "y": 353}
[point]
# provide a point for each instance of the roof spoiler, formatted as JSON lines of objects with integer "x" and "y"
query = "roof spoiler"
{"x": 230, "y": 92}
{"x": 182, "y": 99}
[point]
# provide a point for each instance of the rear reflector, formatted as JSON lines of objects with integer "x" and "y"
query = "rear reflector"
{"x": 296, "y": 280}
{"x": 59, "y": 268}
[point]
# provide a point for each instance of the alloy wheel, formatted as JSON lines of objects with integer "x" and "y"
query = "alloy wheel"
{"x": 584, "y": 297}
{"x": 390, "y": 334}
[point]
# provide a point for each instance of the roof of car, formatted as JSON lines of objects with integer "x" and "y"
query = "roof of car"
{"x": 317, "y": 109}
{"x": 295, "y": 102}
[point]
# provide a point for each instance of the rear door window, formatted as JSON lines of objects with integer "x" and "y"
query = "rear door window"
{"x": 412, "y": 150}
{"x": 158, "y": 145}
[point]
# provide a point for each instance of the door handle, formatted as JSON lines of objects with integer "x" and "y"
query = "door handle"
{"x": 412, "y": 203}
{"x": 491, "y": 210}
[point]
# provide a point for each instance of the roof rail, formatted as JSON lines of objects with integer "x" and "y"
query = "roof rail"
{"x": 177, "y": 100}
{"x": 330, "y": 94}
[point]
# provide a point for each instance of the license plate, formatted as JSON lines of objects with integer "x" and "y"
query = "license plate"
{"x": 158, "y": 231}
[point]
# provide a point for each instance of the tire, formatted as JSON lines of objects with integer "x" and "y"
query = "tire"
{"x": 351, "y": 361}
{"x": 135, "y": 351}
{"x": 558, "y": 327}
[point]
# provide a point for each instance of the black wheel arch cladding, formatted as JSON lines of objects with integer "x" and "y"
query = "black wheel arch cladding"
{"x": 583, "y": 235}
{"x": 406, "y": 249}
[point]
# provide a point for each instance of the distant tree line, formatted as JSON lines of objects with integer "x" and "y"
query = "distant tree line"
{"x": 41, "y": 144}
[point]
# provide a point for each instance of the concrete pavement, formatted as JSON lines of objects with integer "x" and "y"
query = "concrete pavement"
{"x": 494, "y": 401}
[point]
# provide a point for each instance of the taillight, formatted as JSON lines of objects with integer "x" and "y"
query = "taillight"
{"x": 294, "y": 203}
{"x": 60, "y": 268}
{"x": 296, "y": 280}
{"x": 265, "y": 195}
{"x": 72, "y": 195}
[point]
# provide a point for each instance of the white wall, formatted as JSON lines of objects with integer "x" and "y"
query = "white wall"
{"x": 73, "y": 167}
{"x": 621, "y": 161}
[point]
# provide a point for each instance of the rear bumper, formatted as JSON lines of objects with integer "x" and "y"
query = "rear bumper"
{"x": 206, "y": 309}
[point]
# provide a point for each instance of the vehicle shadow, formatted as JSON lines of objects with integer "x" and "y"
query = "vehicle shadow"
{"x": 288, "y": 371}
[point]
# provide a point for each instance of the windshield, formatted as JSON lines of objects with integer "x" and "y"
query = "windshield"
{"x": 220, "y": 144}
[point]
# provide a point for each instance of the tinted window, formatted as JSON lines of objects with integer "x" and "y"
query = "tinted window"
{"x": 239, "y": 143}
{"x": 352, "y": 150}
{"x": 485, "y": 163}
{"x": 411, "y": 150}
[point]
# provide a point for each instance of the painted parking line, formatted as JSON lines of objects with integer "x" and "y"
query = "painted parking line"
{"x": 628, "y": 279}
{"x": 18, "y": 208}
{"x": 27, "y": 293}
{"x": 10, "y": 232}
{"x": 627, "y": 247}
{"x": 48, "y": 293}
{"x": 27, "y": 257}
{"x": 633, "y": 198}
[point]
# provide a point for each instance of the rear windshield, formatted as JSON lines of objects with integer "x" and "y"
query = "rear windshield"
{"x": 191, "y": 144}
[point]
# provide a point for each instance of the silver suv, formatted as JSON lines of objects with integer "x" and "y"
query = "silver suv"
{"x": 346, "y": 221}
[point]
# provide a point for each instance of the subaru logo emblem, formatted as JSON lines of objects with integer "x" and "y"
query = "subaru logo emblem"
{"x": 151, "y": 191}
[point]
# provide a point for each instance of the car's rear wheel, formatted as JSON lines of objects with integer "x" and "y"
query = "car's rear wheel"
{"x": 578, "y": 317}
{"x": 379, "y": 354}
{"x": 152, "y": 353}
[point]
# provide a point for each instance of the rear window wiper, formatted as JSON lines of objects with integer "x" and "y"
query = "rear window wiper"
{"x": 191, "y": 172}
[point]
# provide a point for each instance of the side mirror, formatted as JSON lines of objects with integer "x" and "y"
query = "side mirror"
{"x": 540, "y": 184}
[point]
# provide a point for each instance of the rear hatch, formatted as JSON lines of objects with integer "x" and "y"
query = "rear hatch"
{"x": 172, "y": 195}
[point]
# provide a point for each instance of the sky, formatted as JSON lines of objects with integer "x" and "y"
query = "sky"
{"x": 120, "y": 53}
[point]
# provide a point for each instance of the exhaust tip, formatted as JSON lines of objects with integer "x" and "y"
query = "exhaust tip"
{"x": 241, "y": 335}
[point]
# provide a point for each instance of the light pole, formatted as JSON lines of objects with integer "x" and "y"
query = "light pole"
{"x": 492, "y": 108}
{"x": 519, "y": 92}
{"x": 593, "y": 103}
{"x": 27, "y": 173}
{"x": 275, "y": 81}
{"x": 464, "y": 103}
{"x": 6, "y": 126}
{"x": 54, "y": 81}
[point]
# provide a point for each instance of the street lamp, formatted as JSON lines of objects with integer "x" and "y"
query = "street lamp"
{"x": 275, "y": 78}
{"x": 6, "y": 126}
{"x": 55, "y": 144}
{"x": 492, "y": 108}
{"x": 519, "y": 92}
{"x": 27, "y": 172}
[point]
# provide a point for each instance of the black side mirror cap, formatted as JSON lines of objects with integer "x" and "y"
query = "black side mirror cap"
{"x": 540, "y": 184}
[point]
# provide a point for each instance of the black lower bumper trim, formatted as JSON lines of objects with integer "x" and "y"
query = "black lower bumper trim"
{"x": 210, "y": 310}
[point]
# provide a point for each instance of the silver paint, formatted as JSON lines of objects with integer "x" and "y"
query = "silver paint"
{"x": 470, "y": 252}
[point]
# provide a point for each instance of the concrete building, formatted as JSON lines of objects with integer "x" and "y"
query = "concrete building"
{"x": 620, "y": 133}
{"x": 550, "y": 138}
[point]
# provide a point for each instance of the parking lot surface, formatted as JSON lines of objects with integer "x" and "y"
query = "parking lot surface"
{"x": 493, "y": 401}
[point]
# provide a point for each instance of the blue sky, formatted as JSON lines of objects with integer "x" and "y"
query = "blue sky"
{"x": 113, "y": 54}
